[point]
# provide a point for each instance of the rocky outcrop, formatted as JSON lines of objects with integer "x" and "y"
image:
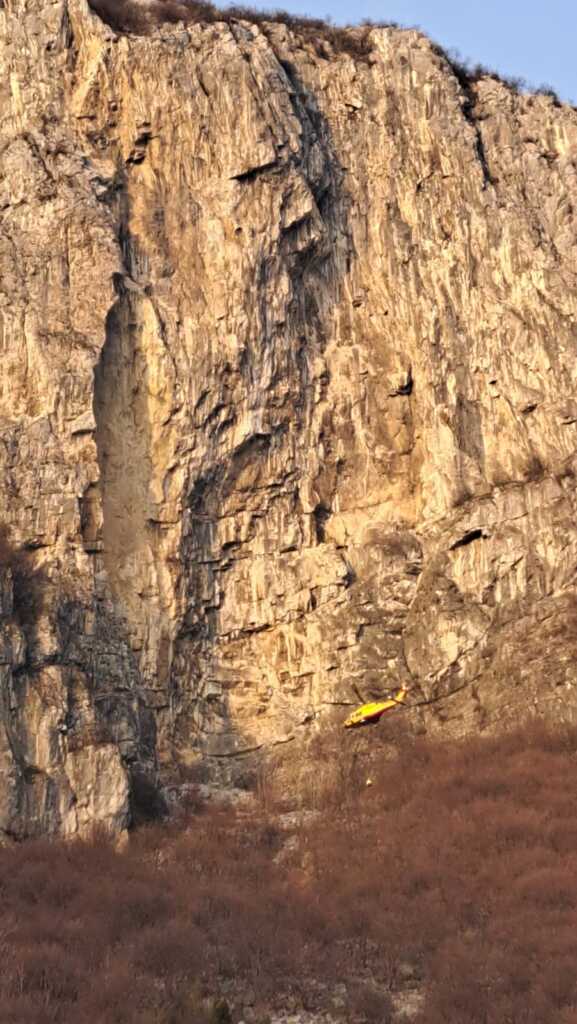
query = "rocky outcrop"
{"x": 288, "y": 410}
{"x": 51, "y": 779}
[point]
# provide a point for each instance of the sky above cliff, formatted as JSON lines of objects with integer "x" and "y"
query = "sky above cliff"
{"x": 530, "y": 39}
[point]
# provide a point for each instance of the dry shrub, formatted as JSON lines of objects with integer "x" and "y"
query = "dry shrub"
{"x": 458, "y": 864}
{"x": 369, "y": 1003}
{"x": 121, "y": 15}
{"x": 467, "y": 72}
{"x": 547, "y": 90}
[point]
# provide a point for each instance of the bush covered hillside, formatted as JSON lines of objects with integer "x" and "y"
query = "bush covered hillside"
{"x": 446, "y": 889}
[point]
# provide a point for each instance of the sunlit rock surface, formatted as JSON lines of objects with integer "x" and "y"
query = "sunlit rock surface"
{"x": 288, "y": 406}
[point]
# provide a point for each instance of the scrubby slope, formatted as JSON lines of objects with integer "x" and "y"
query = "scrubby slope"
{"x": 447, "y": 888}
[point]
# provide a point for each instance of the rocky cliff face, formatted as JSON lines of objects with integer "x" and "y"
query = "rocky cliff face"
{"x": 288, "y": 407}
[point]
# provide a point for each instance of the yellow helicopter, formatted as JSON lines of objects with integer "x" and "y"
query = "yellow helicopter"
{"x": 368, "y": 714}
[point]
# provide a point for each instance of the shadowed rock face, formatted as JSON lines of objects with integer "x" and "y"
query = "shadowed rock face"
{"x": 288, "y": 410}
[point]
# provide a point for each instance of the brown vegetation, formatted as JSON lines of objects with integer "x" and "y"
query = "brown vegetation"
{"x": 456, "y": 870}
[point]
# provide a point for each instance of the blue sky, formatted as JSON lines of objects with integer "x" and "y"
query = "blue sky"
{"x": 532, "y": 39}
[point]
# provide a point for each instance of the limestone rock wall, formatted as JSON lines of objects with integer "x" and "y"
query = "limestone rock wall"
{"x": 288, "y": 408}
